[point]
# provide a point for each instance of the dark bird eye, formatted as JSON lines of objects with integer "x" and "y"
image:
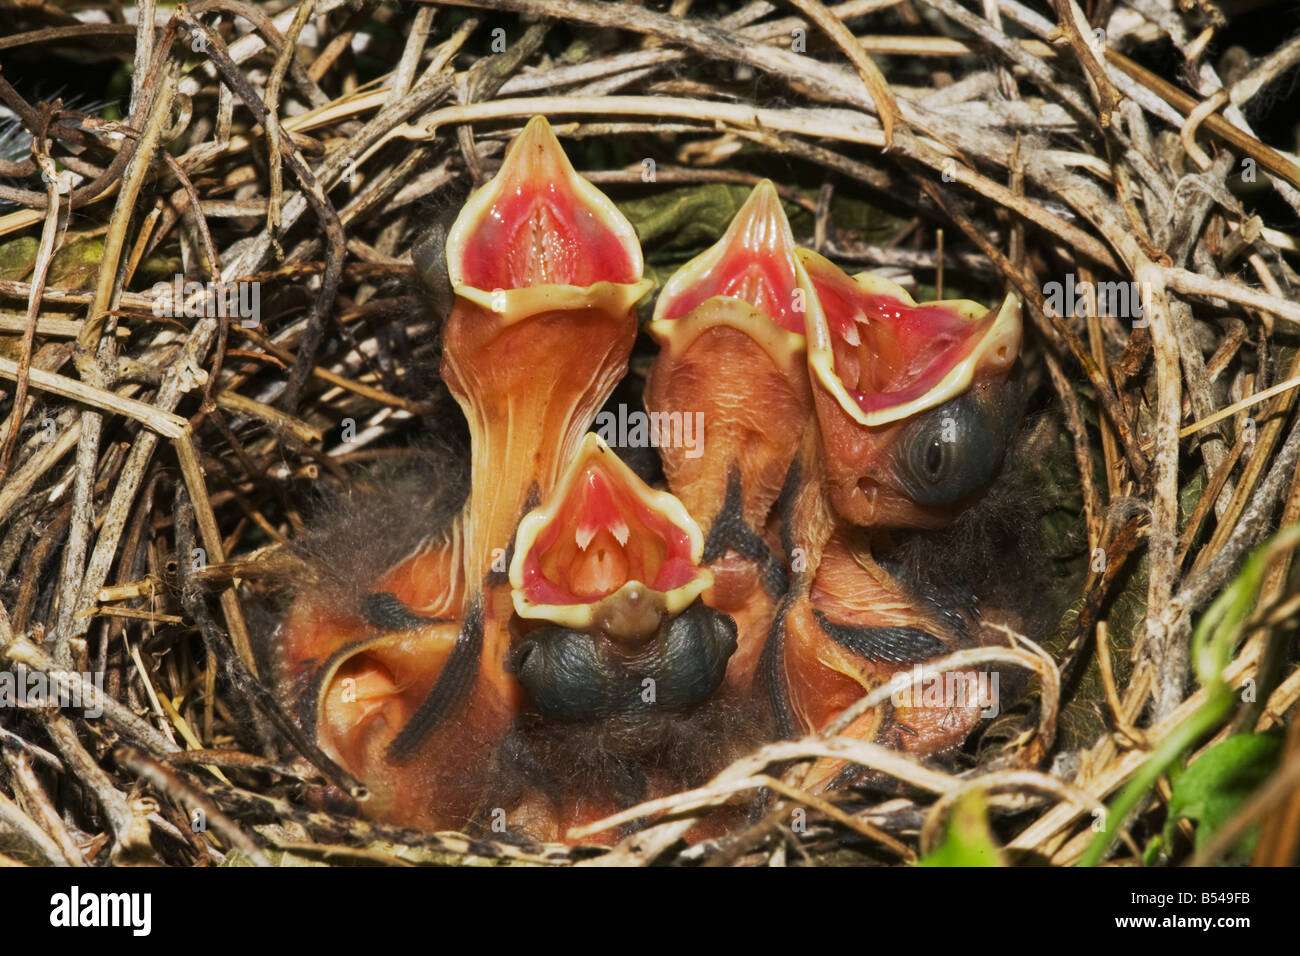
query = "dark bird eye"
{"x": 950, "y": 452}
{"x": 933, "y": 459}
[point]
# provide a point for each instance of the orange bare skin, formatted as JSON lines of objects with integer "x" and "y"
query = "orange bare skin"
{"x": 877, "y": 362}
{"x": 858, "y": 477}
{"x": 529, "y": 396}
{"x": 546, "y": 274}
{"x": 824, "y": 678}
{"x": 359, "y": 685}
{"x": 755, "y": 409}
{"x": 540, "y": 262}
{"x": 738, "y": 590}
{"x": 756, "y": 414}
{"x": 730, "y": 327}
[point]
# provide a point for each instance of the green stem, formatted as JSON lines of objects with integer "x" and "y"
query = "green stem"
{"x": 1212, "y": 647}
{"x": 1206, "y": 717}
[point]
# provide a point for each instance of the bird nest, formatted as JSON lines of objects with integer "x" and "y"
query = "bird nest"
{"x": 215, "y": 340}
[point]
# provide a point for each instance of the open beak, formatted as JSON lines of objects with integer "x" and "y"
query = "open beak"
{"x": 605, "y": 581}
{"x": 730, "y": 326}
{"x": 753, "y": 262}
{"x": 912, "y": 399}
{"x": 545, "y": 271}
{"x": 410, "y": 691}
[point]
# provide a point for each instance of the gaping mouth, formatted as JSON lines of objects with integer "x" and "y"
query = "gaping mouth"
{"x": 605, "y": 581}
{"x": 546, "y": 271}
{"x": 537, "y": 223}
{"x": 885, "y": 357}
{"x": 730, "y": 327}
{"x": 606, "y": 550}
{"x": 754, "y": 262}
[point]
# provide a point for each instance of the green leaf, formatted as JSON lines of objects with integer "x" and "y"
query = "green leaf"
{"x": 18, "y": 258}
{"x": 967, "y": 841}
{"x": 1189, "y": 495}
{"x": 685, "y": 220}
{"x": 1216, "y": 636}
{"x": 1151, "y": 853}
{"x": 868, "y": 222}
{"x": 1215, "y": 786}
{"x": 76, "y": 264}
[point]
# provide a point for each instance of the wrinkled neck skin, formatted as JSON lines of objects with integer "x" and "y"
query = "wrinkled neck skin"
{"x": 808, "y": 520}
{"x": 528, "y": 404}
{"x": 527, "y": 411}
{"x": 730, "y": 324}
{"x": 746, "y": 376}
{"x": 546, "y": 272}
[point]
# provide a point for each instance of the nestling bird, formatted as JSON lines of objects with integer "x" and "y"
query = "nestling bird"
{"x": 572, "y": 641}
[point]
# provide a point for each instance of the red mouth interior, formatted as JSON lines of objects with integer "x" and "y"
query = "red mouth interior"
{"x": 758, "y": 268}
{"x": 601, "y": 537}
{"x": 887, "y": 352}
{"x": 540, "y": 231}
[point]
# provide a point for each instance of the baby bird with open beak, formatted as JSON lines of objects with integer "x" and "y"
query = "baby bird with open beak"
{"x": 913, "y": 401}
{"x": 575, "y": 641}
{"x": 730, "y": 327}
{"x": 603, "y": 572}
{"x": 411, "y": 690}
{"x": 612, "y": 643}
{"x": 914, "y": 406}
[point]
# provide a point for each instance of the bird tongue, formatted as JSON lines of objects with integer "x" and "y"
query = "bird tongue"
{"x": 596, "y": 572}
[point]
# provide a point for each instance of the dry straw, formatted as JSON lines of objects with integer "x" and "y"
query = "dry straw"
{"x": 261, "y": 158}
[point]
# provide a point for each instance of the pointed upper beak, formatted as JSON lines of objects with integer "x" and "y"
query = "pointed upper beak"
{"x": 539, "y": 236}
{"x": 754, "y": 262}
{"x": 730, "y": 325}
